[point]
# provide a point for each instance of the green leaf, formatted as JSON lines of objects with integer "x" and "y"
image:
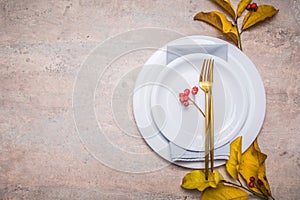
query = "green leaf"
{"x": 223, "y": 192}
{"x": 233, "y": 163}
{"x": 227, "y": 6}
{"x": 263, "y": 12}
{"x": 219, "y": 21}
{"x": 242, "y": 6}
{"x": 196, "y": 180}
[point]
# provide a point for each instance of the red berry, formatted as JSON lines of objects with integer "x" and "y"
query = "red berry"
{"x": 255, "y": 9}
{"x": 251, "y": 184}
{"x": 252, "y": 179}
{"x": 254, "y": 6}
{"x": 259, "y": 182}
{"x": 181, "y": 99}
{"x": 248, "y": 6}
{"x": 186, "y": 98}
{"x": 186, "y": 103}
{"x": 187, "y": 91}
{"x": 195, "y": 90}
{"x": 181, "y": 94}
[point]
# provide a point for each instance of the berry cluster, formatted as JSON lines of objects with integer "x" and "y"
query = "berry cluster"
{"x": 252, "y": 7}
{"x": 252, "y": 182}
{"x": 184, "y": 97}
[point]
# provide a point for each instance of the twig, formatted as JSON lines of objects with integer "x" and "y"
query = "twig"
{"x": 197, "y": 106}
{"x": 241, "y": 186}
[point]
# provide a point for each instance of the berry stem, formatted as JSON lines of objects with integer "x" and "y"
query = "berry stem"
{"x": 245, "y": 188}
{"x": 197, "y": 106}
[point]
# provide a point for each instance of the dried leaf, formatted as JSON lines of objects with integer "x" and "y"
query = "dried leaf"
{"x": 219, "y": 21}
{"x": 196, "y": 180}
{"x": 242, "y": 6}
{"x": 226, "y": 5}
{"x": 263, "y": 12}
{"x": 233, "y": 163}
{"x": 262, "y": 171}
{"x": 253, "y": 164}
{"x": 223, "y": 192}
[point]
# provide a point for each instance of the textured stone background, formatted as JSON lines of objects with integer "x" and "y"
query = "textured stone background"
{"x": 42, "y": 46}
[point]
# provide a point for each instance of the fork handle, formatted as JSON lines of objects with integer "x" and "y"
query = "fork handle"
{"x": 206, "y": 136}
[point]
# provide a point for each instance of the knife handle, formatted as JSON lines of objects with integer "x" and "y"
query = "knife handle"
{"x": 212, "y": 134}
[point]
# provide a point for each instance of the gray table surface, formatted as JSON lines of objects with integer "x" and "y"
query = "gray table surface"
{"x": 43, "y": 45}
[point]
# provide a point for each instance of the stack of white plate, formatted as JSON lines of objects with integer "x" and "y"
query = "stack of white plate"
{"x": 176, "y": 132}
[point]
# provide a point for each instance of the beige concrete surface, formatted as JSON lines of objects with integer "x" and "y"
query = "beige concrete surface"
{"x": 42, "y": 47}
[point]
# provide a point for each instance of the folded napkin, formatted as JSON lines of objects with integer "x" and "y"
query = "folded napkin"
{"x": 180, "y": 154}
{"x": 174, "y": 51}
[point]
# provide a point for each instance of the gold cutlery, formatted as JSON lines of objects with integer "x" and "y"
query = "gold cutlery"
{"x": 205, "y": 83}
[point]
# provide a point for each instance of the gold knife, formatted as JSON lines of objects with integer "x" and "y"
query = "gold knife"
{"x": 211, "y": 120}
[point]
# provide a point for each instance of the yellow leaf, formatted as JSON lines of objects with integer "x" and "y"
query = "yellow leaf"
{"x": 242, "y": 6}
{"x": 263, "y": 12}
{"x": 233, "y": 163}
{"x": 253, "y": 164}
{"x": 226, "y": 5}
{"x": 219, "y": 21}
{"x": 223, "y": 192}
{"x": 196, "y": 180}
{"x": 265, "y": 188}
{"x": 218, "y": 177}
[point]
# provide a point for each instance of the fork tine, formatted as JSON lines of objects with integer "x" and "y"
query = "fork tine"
{"x": 212, "y": 71}
{"x": 207, "y": 71}
{"x": 202, "y": 75}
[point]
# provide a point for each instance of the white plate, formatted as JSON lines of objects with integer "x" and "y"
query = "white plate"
{"x": 184, "y": 126}
{"x": 240, "y": 63}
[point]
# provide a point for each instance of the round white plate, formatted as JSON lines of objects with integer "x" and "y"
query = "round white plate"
{"x": 240, "y": 63}
{"x": 184, "y": 126}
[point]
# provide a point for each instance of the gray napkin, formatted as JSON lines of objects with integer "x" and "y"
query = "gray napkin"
{"x": 173, "y": 52}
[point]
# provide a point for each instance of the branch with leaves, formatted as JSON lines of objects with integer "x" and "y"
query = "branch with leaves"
{"x": 247, "y": 171}
{"x": 230, "y": 27}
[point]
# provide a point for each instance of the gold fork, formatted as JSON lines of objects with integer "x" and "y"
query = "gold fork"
{"x": 205, "y": 83}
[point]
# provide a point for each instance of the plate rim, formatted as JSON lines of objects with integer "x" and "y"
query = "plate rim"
{"x": 251, "y": 71}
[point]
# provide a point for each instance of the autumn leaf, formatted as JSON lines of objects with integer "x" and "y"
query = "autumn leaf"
{"x": 223, "y": 192}
{"x": 196, "y": 180}
{"x": 233, "y": 163}
{"x": 219, "y": 21}
{"x": 242, "y": 6}
{"x": 265, "y": 187}
{"x": 263, "y": 12}
{"x": 227, "y": 6}
{"x": 253, "y": 164}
